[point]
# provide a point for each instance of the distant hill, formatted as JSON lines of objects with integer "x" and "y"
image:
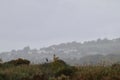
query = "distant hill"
{"x": 72, "y": 52}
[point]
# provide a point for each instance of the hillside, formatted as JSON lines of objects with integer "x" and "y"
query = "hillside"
{"x": 72, "y": 52}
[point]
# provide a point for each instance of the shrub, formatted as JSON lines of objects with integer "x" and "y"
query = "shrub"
{"x": 67, "y": 71}
{"x": 116, "y": 65}
{"x": 63, "y": 77}
{"x": 2, "y": 77}
{"x": 19, "y": 62}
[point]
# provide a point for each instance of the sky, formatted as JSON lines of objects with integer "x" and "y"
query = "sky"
{"x": 40, "y": 23}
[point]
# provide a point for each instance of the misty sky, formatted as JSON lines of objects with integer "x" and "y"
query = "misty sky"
{"x": 40, "y": 23}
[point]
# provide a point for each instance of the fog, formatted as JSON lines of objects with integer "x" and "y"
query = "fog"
{"x": 40, "y": 23}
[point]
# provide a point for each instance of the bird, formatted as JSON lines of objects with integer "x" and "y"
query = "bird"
{"x": 46, "y": 59}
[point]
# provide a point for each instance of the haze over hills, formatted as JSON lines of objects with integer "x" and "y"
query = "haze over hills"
{"x": 91, "y": 52}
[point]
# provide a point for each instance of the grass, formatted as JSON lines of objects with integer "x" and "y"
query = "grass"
{"x": 59, "y": 70}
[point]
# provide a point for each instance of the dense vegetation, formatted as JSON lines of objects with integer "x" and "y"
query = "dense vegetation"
{"x": 21, "y": 69}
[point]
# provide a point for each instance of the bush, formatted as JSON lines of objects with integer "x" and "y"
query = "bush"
{"x": 2, "y": 77}
{"x": 67, "y": 71}
{"x": 19, "y": 62}
{"x": 116, "y": 65}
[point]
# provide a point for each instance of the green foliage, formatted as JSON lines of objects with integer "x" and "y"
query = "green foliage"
{"x": 116, "y": 65}
{"x": 2, "y": 76}
{"x": 63, "y": 77}
{"x": 67, "y": 71}
{"x": 57, "y": 70}
{"x": 18, "y": 62}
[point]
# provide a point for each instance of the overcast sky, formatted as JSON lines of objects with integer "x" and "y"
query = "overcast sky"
{"x": 40, "y": 23}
